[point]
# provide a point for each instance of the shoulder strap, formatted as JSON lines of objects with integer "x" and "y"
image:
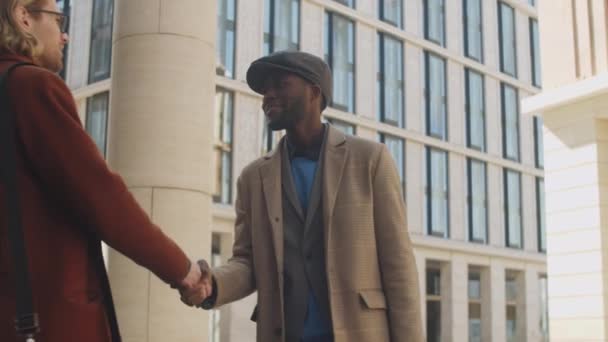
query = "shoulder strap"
{"x": 96, "y": 255}
{"x": 26, "y": 321}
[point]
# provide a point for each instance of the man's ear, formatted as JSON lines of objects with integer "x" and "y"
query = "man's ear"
{"x": 316, "y": 94}
{"x": 22, "y": 18}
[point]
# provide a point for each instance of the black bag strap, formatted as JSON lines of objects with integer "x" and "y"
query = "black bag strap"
{"x": 96, "y": 255}
{"x": 26, "y": 319}
{"x": 26, "y": 322}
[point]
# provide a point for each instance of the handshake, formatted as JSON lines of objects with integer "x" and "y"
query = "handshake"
{"x": 197, "y": 285}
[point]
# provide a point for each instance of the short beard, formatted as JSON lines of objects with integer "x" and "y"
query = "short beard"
{"x": 288, "y": 119}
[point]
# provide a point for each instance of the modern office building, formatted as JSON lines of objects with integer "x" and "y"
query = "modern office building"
{"x": 438, "y": 81}
{"x": 574, "y": 107}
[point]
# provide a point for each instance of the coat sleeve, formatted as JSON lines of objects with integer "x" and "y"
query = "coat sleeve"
{"x": 395, "y": 253}
{"x": 236, "y": 279}
{"x": 75, "y": 176}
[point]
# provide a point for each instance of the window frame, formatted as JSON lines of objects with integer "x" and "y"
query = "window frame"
{"x": 539, "y": 153}
{"x": 381, "y": 80}
{"x": 426, "y": 17}
{"x": 224, "y": 148}
{"x": 535, "y": 54}
{"x": 501, "y": 42}
{"x": 465, "y": 17}
{"x": 91, "y": 76}
{"x": 271, "y": 27}
{"x": 382, "y": 16}
{"x": 89, "y": 102}
{"x": 468, "y": 114}
{"x": 507, "y": 208}
{"x": 427, "y": 93}
{"x": 234, "y": 32}
{"x": 329, "y": 16}
{"x": 470, "y": 201}
{"x": 429, "y": 193}
{"x": 541, "y": 223}
{"x": 382, "y": 138}
{"x": 503, "y": 87}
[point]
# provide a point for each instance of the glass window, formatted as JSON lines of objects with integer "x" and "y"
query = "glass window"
{"x": 340, "y": 55}
{"x": 477, "y": 202}
{"x": 226, "y": 37}
{"x": 343, "y": 126}
{"x": 535, "y": 52}
{"x": 65, "y": 7}
{"x": 224, "y": 109}
{"x": 395, "y": 147}
{"x": 281, "y": 25}
{"x": 391, "y": 11}
{"x": 433, "y": 304}
{"x": 437, "y": 192}
{"x": 101, "y": 40}
{"x": 532, "y": 2}
{"x": 434, "y": 21}
{"x": 513, "y": 218}
{"x": 473, "y": 32}
{"x": 510, "y": 122}
{"x": 390, "y": 82}
{"x": 474, "y": 306}
{"x": 506, "y": 33}
{"x": 539, "y": 154}
{"x": 270, "y": 139}
{"x": 436, "y": 97}
{"x": 349, "y": 3}
{"x": 540, "y": 212}
{"x": 97, "y": 120}
{"x": 544, "y": 309}
{"x": 475, "y": 110}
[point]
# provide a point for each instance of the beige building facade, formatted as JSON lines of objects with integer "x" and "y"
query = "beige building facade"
{"x": 438, "y": 81}
{"x": 574, "y": 107}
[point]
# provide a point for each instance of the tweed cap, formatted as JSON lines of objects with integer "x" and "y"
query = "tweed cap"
{"x": 305, "y": 65}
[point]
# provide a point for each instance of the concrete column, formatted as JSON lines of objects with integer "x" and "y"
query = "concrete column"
{"x": 161, "y": 143}
{"x": 532, "y": 305}
{"x": 498, "y": 316}
{"x": 486, "y": 304}
{"x": 458, "y": 298}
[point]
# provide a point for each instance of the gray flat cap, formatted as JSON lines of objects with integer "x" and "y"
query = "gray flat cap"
{"x": 305, "y": 65}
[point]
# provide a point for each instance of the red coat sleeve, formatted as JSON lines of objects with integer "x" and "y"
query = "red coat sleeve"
{"x": 71, "y": 170}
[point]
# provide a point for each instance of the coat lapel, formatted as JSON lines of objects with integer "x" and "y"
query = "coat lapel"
{"x": 270, "y": 173}
{"x": 333, "y": 169}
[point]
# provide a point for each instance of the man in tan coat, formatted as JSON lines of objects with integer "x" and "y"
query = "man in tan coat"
{"x": 321, "y": 224}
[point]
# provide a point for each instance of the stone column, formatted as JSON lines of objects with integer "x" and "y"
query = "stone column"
{"x": 160, "y": 141}
{"x": 458, "y": 298}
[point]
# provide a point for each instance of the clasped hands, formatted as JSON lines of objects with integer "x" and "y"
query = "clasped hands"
{"x": 198, "y": 284}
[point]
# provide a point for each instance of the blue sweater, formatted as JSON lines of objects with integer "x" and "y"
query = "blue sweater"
{"x": 303, "y": 171}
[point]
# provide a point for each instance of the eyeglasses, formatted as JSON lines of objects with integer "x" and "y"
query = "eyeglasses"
{"x": 62, "y": 19}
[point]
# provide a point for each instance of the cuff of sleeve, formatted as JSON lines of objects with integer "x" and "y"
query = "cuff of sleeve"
{"x": 209, "y": 303}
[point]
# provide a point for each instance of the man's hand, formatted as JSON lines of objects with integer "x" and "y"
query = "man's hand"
{"x": 197, "y": 285}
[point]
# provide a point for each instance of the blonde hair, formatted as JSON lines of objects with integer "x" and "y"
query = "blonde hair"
{"x": 12, "y": 38}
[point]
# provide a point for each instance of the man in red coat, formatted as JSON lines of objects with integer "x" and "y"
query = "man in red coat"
{"x": 68, "y": 195}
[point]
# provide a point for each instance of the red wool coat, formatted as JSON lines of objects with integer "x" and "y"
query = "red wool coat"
{"x": 67, "y": 191}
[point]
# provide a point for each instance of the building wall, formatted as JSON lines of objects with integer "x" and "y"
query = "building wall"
{"x": 455, "y": 254}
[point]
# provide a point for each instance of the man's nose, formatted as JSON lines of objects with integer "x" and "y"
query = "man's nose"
{"x": 65, "y": 38}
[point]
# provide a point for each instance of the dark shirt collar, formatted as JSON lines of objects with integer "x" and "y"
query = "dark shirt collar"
{"x": 311, "y": 152}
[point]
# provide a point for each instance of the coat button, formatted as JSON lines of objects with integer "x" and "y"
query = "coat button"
{"x": 278, "y": 331}
{"x": 276, "y": 219}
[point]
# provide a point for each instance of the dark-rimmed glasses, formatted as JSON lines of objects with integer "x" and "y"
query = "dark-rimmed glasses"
{"x": 62, "y": 19}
